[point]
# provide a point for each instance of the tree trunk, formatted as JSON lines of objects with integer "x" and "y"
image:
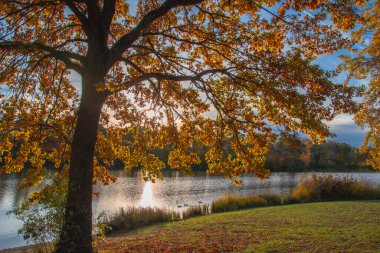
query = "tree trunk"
{"x": 76, "y": 235}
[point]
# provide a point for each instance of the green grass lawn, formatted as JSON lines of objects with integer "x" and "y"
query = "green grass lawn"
{"x": 317, "y": 227}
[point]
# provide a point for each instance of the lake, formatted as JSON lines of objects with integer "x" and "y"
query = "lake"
{"x": 173, "y": 192}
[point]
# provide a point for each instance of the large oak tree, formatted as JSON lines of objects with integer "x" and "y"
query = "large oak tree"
{"x": 160, "y": 74}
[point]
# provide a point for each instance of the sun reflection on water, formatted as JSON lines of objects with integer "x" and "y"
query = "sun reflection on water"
{"x": 147, "y": 196}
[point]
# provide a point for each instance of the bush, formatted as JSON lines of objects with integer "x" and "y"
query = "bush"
{"x": 127, "y": 219}
{"x": 42, "y": 216}
{"x": 312, "y": 189}
{"x": 234, "y": 202}
{"x": 330, "y": 188}
{"x": 194, "y": 211}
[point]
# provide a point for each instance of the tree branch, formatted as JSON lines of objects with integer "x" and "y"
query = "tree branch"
{"x": 127, "y": 40}
{"x": 63, "y": 56}
{"x": 107, "y": 15}
{"x": 178, "y": 78}
{"x": 81, "y": 17}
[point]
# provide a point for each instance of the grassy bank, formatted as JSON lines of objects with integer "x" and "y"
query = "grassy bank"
{"x": 314, "y": 227}
{"x": 316, "y": 188}
{"x": 352, "y": 226}
{"x": 312, "y": 189}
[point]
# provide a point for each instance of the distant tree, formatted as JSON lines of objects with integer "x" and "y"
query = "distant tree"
{"x": 306, "y": 153}
{"x": 152, "y": 73}
{"x": 363, "y": 64}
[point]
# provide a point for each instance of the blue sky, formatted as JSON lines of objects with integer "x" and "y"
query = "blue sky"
{"x": 343, "y": 126}
{"x": 346, "y": 130}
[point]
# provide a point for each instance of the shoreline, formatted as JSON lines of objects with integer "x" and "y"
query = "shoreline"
{"x": 291, "y": 224}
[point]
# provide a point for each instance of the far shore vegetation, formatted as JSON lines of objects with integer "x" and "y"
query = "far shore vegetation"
{"x": 285, "y": 155}
{"x": 291, "y": 155}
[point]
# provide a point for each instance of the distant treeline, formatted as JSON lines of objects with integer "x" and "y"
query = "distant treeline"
{"x": 304, "y": 156}
{"x": 284, "y": 155}
{"x": 329, "y": 156}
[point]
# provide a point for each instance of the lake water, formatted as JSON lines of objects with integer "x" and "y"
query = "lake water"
{"x": 174, "y": 192}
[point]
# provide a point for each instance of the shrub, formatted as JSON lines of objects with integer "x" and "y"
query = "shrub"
{"x": 271, "y": 199}
{"x": 235, "y": 202}
{"x": 42, "y": 216}
{"x": 311, "y": 189}
{"x": 288, "y": 200}
{"x": 194, "y": 211}
{"x": 329, "y": 188}
{"x": 127, "y": 219}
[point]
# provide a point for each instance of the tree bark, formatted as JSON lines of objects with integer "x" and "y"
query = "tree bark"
{"x": 76, "y": 234}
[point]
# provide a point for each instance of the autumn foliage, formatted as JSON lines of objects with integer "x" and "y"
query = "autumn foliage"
{"x": 264, "y": 55}
{"x": 156, "y": 74}
{"x": 364, "y": 63}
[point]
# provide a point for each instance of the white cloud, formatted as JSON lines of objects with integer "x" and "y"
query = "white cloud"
{"x": 345, "y": 129}
{"x": 341, "y": 119}
{"x": 75, "y": 79}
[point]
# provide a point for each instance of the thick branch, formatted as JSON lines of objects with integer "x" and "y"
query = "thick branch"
{"x": 63, "y": 56}
{"x": 107, "y": 15}
{"x": 127, "y": 40}
{"x": 81, "y": 17}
